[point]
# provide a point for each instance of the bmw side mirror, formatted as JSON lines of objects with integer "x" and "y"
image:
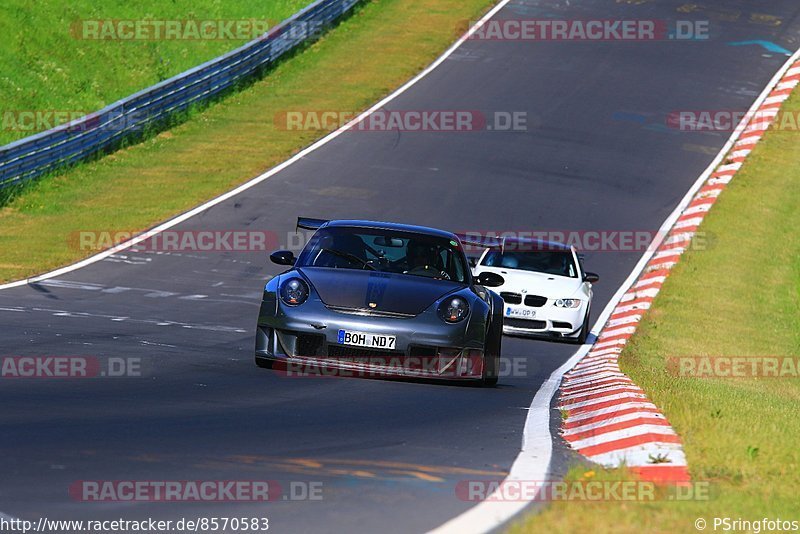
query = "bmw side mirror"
{"x": 282, "y": 257}
{"x": 591, "y": 277}
{"x": 489, "y": 279}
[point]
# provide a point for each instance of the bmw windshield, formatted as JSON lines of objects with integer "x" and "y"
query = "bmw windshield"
{"x": 385, "y": 250}
{"x": 555, "y": 262}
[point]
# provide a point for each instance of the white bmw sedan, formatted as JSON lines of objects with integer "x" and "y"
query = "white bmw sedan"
{"x": 546, "y": 290}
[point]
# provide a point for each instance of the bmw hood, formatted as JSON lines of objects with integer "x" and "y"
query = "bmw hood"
{"x": 374, "y": 290}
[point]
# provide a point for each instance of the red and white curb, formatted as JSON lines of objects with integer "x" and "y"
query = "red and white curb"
{"x": 608, "y": 419}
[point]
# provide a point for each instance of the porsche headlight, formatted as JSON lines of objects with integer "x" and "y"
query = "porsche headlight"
{"x": 453, "y": 310}
{"x": 567, "y": 303}
{"x": 294, "y": 291}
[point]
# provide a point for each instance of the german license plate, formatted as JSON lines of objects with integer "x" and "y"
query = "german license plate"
{"x": 520, "y": 313}
{"x": 364, "y": 339}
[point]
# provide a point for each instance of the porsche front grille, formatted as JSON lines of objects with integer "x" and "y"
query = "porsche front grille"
{"x": 370, "y": 313}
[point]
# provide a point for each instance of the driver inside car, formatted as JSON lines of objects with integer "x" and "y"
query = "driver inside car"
{"x": 347, "y": 244}
{"x": 422, "y": 261}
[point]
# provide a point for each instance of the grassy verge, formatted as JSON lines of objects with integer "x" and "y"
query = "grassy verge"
{"x": 741, "y": 298}
{"x": 231, "y": 141}
{"x": 51, "y": 60}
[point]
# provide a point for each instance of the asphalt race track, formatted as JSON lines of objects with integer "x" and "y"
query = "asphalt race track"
{"x": 597, "y": 155}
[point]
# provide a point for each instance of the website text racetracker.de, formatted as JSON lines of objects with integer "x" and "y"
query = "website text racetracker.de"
{"x": 407, "y": 120}
{"x": 39, "y": 120}
{"x": 45, "y": 525}
{"x": 581, "y": 491}
{"x": 589, "y": 30}
{"x": 206, "y": 491}
{"x": 21, "y": 367}
{"x": 444, "y": 366}
{"x": 584, "y": 240}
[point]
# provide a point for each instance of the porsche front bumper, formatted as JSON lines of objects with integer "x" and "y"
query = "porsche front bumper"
{"x": 304, "y": 341}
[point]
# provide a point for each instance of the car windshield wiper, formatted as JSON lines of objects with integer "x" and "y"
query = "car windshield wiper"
{"x": 348, "y": 256}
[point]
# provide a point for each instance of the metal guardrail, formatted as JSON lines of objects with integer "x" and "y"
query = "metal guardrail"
{"x": 69, "y": 143}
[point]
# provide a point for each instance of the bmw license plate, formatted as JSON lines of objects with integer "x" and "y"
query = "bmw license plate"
{"x": 520, "y": 313}
{"x": 364, "y": 339}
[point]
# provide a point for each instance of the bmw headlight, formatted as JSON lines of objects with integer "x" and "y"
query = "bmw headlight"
{"x": 567, "y": 303}
{"x": 453, "y": 309}
{"x": 294, "y": 291}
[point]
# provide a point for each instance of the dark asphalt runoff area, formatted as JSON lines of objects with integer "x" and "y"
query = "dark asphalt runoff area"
{"x": 596, "y": 155}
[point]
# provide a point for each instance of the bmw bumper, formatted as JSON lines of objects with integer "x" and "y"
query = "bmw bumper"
{"x": 546, "y": 321}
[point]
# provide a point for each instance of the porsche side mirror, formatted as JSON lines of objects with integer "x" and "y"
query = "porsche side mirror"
{"x": 489, "y": 279}
{"x": 591, "y": 277}
{"x": 282, "y": 257}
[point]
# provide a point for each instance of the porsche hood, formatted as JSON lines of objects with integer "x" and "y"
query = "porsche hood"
{"x": 379, "y": 291}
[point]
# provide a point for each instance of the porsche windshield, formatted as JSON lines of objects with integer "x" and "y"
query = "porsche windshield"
{"x": 387, "y": 251}
{"x": 557, "y": 262}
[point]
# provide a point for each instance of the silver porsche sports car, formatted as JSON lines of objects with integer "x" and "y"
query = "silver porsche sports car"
{"x": 380, "y": 300}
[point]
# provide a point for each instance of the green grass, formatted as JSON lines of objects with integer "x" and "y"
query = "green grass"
{"x": 231, "y": 141}
{"x": 44, "y": 67}
{"x": 740, "y": 298}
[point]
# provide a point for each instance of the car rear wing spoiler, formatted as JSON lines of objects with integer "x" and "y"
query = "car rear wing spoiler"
{"x": 503, "y": 243}
{"x": 307, "y": 223}
{"x": 477, "y": 240}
